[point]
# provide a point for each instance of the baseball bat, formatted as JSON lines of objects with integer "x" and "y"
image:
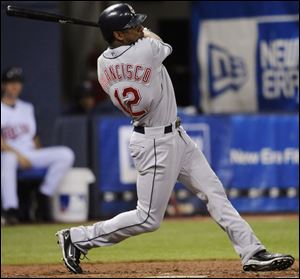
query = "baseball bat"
{"x": 39, "y": 15}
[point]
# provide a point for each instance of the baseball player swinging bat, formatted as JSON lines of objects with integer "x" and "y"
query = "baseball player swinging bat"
{"x": 132, "y": 73}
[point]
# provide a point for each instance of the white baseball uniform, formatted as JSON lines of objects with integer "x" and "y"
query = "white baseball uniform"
{"x": 138, "y": 84}
{"x": 18, "y": 128}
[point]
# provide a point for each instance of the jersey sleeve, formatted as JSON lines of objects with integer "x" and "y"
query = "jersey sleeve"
{"x": 160, "y": 50}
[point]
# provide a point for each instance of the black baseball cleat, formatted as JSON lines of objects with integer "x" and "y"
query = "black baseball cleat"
{"x": 71, "y": 254}
{"x": 265, "y": 261}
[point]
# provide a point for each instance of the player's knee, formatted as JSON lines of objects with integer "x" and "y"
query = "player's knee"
{"x": 152, "y": 224}
{"x": 9, "y": 160}
{"x": 153, "y": 227}
{"x": 68, "y": 156}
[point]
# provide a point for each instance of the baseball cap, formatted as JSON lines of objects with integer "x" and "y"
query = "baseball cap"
{"x": 13, "y": 74}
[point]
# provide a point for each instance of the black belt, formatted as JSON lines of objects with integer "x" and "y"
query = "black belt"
{"x": 168, "y": 129}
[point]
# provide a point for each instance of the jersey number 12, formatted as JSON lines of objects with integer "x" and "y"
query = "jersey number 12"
{"x": 130, "y": 102}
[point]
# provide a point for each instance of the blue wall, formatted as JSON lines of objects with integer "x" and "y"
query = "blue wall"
{"x": 255, "y": 156}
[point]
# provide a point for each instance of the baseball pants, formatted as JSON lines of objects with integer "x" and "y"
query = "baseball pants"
{"x": 58, "y": 160}
{"x": 162, "y": 159}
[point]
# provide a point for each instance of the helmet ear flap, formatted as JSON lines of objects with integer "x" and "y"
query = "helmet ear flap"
{"x": 108, "y": 36}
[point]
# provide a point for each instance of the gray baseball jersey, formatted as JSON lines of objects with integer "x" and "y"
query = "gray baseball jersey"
{"x": 138, "y": 83}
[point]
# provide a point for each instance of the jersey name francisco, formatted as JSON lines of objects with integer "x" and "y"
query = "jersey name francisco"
{"x": 120, "y": 72}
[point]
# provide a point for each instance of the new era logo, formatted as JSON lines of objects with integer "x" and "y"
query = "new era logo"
{"x": 226, "y": 71}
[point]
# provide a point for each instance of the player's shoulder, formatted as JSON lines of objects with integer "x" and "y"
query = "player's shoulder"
{"x": 25, "y": 105}
{"x": 100, "y": 57}
{"x": 110, "y": 54}
{"x": 104, "y": 58}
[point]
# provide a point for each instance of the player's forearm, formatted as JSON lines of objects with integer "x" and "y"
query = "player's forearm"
{"x": 150, "y": 34}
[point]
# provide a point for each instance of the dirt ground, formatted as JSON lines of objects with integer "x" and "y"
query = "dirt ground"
{"x": 182, "y": 269}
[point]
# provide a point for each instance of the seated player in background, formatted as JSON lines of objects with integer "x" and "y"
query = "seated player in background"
{"x": 85, "y": 99}
{"x": 86, "y": 102}
{"x": 20, "y": 147}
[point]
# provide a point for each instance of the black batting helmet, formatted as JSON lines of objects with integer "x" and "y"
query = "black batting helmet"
{"x": 13, "y": 74}
{"x": 118, "y": 17}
